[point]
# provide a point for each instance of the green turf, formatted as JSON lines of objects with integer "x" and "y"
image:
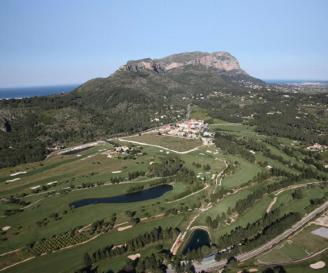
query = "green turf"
{"x": 68, "y": 260}
{"x": 169, "y": 142}
{"x": 300, "y": 246}
{"x": 245, "y": 172}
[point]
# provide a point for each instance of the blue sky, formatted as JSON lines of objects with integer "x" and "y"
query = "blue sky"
{"x": 49, "y": 42}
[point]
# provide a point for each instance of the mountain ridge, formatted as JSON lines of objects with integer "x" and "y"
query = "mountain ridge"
{"x": 176, "y": 71}
{"x": 219, "y": 60}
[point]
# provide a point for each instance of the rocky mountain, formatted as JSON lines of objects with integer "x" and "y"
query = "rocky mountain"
{"x": 124, "y": 102}
{"x": 221, "y": 61}
{"x": 179, "y": 73}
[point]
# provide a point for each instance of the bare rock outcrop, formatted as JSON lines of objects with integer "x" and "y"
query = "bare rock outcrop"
{"x": 222, "y": 61}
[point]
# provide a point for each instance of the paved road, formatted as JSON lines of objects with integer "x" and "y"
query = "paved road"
{"x": 251, "y": 254}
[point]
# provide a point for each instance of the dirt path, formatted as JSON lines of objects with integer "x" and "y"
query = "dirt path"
{"x": 191, "y": 194}
{"x": 77, "y": 148}
{"x": 180, "y": 239}
{"x": 9, "y": 252}
{"x": 220, "y": 176}
{"x": 84, "y": 228}
{"x": 20, "y": 262}
{"x": 160, "y": 147}
{"x": 271, "y": 204}
{"x": 227, "y": 124}
{"x": 34, "y": 203}
{"x": 292, "y": 187}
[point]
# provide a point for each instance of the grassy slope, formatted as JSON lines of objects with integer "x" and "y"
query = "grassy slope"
{"x": 174, "y": 143}
{"x": 68, "y": 260}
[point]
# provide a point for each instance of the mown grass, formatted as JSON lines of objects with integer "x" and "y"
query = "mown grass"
{"x": 75, "y": 217}
{"x": 302, "y": 245}
{"x": 66, "y": 261}
{"x": 93, "y": 166}
{"x": 245, "y": 172}
{"x": 170, "y": 142}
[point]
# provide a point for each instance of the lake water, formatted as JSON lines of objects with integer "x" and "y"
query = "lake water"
{"x": 143, "y": 195}
{"x": 198, "y": 238}
{"x": 26, "y": 92}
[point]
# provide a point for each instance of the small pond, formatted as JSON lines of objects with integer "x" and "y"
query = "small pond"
{"x": 197, "y": 239}
{"x": 143, "y": 195}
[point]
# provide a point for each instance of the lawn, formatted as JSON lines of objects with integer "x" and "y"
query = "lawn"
{"x": 222, "y": 206}
{"x": 299, "y": 246}
{"x": 288, "y": 204}
{"x": 305, "y": 265}
{"x": 251, "y": 215}
{"x": 76, "y": 217}
{"x": 245, "y": 172}
{"x": 94, "y": 167}
{"x": 66, "y": 261}
{"x": 169, "y": 142}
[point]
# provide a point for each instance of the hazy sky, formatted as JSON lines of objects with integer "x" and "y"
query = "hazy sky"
{"x": 48, "y": 42}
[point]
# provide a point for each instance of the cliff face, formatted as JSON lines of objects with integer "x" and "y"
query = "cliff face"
{"x": 221, "y": 61}
{"x": 144, "y": 64}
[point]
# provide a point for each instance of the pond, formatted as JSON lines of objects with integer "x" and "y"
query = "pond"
{"x": 143, "y": 195}
{"x": 197, "y": 239}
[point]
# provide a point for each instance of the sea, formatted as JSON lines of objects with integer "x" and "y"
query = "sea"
{"x": 297, "y": 82}
{"x": 26, "y": 92}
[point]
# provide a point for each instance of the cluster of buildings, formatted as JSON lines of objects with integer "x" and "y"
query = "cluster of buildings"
{"x": 317, "y": 148}
{"x": 192, "y": 129}
{"x": 117, "y": 151}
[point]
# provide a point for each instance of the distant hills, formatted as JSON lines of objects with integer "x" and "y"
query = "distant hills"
{"x": 122, "y": 103}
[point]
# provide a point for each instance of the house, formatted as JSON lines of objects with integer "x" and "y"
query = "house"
{"x": 317, "y": 147}
{"x": 122, "y": 149}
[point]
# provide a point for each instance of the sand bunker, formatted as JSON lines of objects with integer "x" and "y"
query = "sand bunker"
{"x": 134, "y": 256}
{"x": 318, "y": 265}
{"x": 52, "y": 183}
{"x": 6, "y": 228}
{"x": 124, "y": 228}
{"x": 252, "y": 270}
{"x": 18, "y": 173}
{"x": 13, "y": 180}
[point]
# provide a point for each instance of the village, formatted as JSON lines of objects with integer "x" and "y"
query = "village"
{"x": 317, "y": 148}
{"x": 190, "y": 129}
